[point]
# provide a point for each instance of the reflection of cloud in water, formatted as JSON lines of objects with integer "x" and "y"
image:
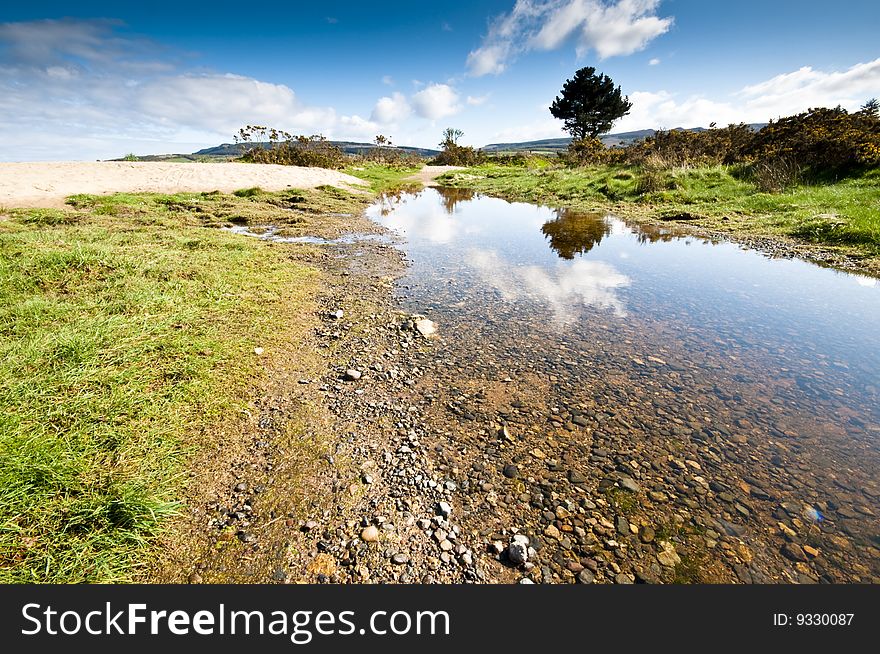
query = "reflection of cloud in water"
{"x": 870, "y": 282}
{"x": 590, "y": 283}
{"x": 430, "y": 223}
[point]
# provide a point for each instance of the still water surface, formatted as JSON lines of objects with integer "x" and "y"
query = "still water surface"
{"x": 665, "y": 329}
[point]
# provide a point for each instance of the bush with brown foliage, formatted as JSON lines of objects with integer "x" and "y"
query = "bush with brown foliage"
{"x": 273, "y": 146}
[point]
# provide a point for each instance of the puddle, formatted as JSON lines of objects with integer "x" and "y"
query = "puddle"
{"x": 762, "y": 369}
{"x": 271, "y": 233}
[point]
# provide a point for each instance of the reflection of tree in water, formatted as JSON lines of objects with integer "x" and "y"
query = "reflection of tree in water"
{"x": 450, "y": 196}
{"x": 575, "y": 232}
{"x": 390, "y": 200}
{"x": 648, "y": 233}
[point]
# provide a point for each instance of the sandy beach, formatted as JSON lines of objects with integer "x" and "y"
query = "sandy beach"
{"x": 47, "y": 184}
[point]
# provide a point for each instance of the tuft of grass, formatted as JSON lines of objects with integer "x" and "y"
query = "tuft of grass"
{"x": 248, "y": 192}
{"x": 126, "y": 332}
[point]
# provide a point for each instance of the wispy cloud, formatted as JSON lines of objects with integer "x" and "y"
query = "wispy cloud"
{"x": 61, "y": 78}
{"x": 477, "y": 100}
{"x": 610, "y": 28}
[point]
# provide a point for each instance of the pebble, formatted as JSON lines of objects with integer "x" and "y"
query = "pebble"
{"x": 370, "y": 534}
{"x": 352, "y": 375}
{"x": 586, "y": 577}
{"x": 444, "y": 509}
{"x": 400, "y": 558}
{"x": 511, "y": 471}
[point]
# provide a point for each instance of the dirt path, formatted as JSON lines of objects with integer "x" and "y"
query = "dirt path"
{"x": 428, "y": 175}
{"x": 48, "y": 184}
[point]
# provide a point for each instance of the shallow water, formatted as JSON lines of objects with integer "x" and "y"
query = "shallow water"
{"x": 668, "y": 332}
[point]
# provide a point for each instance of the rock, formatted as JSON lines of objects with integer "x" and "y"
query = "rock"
{"x": 311, "y": 524}
{"x": 518, "y": 551}
{"x": 444, "y": 509}
{"x": 668, "y": 556}
{"x": 525, "y": 581}
{"x": 622, "y": 525}
{"x": 336, "y": 315}
{"x": 575, "y": 477}
{"x": 586, "y": 577}
{"x": 258, "y": 351}
{"x": 241, "y": 487}
{"x": 426, "y": 327}
{"x": 628, "y": 483}
{"x": 793, "y": 552}
{"x": 370, "y": 534}
{"x": 646, "y": 533}
{"x": 504, "y": 434}
{"x": 552, "y": 532}
{"x": 352, "y": 375}
{"x": 400, "y": 558}
{"x": 811, "y": 551}
{"x": 195, "y": 578}
{"x": 511, "y": 471}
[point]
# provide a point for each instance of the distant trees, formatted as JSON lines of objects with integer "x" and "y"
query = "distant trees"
{"x": 454, "y": 154}
{"x": 450, "y": 137}
{"x": 589, "y": 103}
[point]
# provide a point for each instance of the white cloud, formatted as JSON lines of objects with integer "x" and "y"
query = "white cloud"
{"x": 391, "y": 109}
{"x": 782, "y": 95}
{"x": 477, "y": 100}
{"x": 75, "y": 89}
{"x": 611, "y": 28}
{"x": 223, "y": 103}
{"x": 654, "y": 62}
{"x": 388, "y": 80}
{"x": 584, "y": 282}
{"x": 546, "y": 128}
{"x": 436, "y": 101}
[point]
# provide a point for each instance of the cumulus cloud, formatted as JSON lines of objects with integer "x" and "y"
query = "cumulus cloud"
{"x": 582, "y": 282}
{"x": 391, "y": 109}
{"x": 782, "y": 95}
{"x": 654, "y": 62}
{"x": 610, "y": 28}
{"x": 436, "y": 101}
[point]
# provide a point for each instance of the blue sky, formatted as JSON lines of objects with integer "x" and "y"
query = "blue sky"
{"x": 96, "y": 79}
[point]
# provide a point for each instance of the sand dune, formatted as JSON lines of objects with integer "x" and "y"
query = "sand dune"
{"x": 47, "y": 184}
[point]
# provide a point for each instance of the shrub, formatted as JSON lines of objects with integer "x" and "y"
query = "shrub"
{"x": 272, "y": 146}
{"x": 585, "y": 152}
{"x": 820, "y": 141}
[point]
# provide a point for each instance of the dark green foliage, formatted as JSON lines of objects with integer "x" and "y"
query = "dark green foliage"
{"x": 589, "y": 104}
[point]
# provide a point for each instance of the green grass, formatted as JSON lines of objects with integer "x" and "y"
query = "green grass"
{"x": 126, "y": 331}
{"x": 380, "y": 177}
{"x": 843, "y": 214}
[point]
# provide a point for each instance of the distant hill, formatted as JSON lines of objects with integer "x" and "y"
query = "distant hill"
{"x": 544, "y": 146}
{"x": 559, "y": 144}
{"x": 227, "y": 151}
{"x": 349, "y": 147}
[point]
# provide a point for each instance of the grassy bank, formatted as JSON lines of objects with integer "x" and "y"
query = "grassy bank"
{"x": 127, "y": 335}
{"x": 842, "y": 215}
